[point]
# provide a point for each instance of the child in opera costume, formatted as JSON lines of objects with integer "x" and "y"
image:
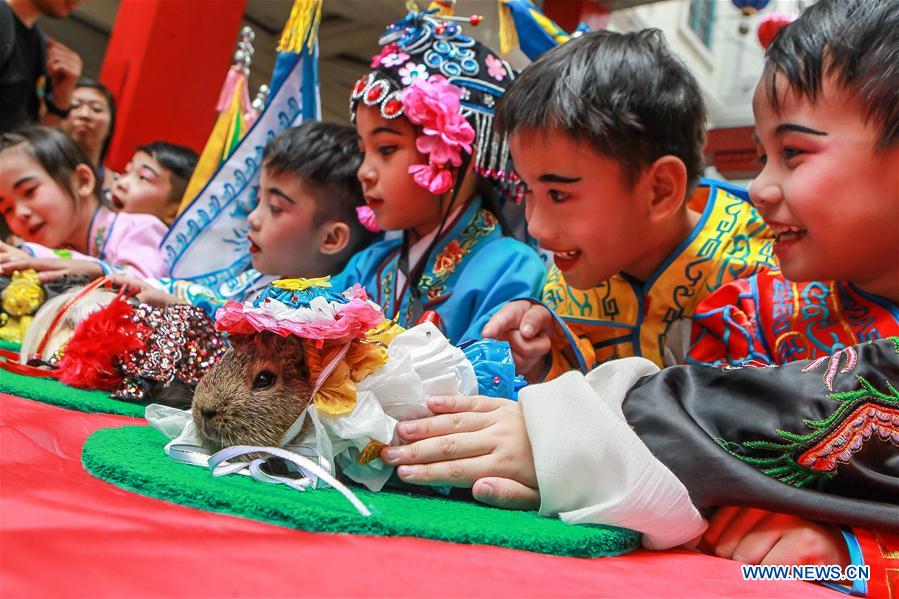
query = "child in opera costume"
{"x": 305, "y": 223}
{"x": 607, "y": 132}
{"x": 50, "y": 196}
{"x": 433, "y": 169}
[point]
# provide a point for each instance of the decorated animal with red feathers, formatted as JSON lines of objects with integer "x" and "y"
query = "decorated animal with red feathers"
{"x": 95, "y": 338}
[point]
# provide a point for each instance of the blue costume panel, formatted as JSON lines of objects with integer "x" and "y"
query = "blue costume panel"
{"x": 239, "y": 288}
{"x": 472, "y": 271}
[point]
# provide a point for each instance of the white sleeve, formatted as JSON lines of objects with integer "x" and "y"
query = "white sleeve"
{"x": 593, "y": 468}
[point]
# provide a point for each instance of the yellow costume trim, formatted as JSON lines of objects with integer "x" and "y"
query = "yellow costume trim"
{"x": 622, "y": 317}
{"x": 338, "y": 393}
{"x": 301, "y": 284}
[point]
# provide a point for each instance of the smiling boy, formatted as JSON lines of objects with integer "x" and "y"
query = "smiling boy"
{"x": 607, "y": 133}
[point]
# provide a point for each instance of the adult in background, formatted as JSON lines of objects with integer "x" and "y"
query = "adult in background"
{"x": 37, "y": 74}
{"x": 91, "y": 123}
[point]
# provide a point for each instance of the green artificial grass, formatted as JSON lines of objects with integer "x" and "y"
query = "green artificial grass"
{"x": 132, "y": 457}
{"x": 53, "y": 392}
{"x": 11, "y": 345}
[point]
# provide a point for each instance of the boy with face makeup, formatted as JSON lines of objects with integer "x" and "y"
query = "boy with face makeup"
{"x": 155, "y": 180}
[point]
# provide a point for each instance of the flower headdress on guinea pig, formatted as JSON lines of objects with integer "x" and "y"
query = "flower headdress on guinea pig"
{"x": 344, "y": 334}
{"x": 448, "y": 85}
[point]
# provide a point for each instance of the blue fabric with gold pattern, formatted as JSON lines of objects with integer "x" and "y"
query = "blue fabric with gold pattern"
{"x": 472, "y": 271}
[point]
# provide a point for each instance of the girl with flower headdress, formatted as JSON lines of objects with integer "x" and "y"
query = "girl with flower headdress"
{"x": 434, "y": 170}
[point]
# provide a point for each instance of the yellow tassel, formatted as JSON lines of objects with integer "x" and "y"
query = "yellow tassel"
{"x": 508, "y": 35}
{"x": 445, "y": 8}
{"x": 302, "y": 26}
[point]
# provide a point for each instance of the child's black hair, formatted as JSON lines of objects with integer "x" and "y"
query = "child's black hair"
{"x": 180, "y": 161}
{"x": 625, "y": 94}
{"x": 326, "y": 157}
{"x": 55, "y": 151}
{"x": 86, "y": 82}
{"x": 856, "y": 42}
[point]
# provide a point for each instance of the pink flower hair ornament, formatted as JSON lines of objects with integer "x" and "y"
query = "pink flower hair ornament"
{"x": 434, "y": 105}
{"x": 448, "y": 85}
{"x": 367, "y": 218}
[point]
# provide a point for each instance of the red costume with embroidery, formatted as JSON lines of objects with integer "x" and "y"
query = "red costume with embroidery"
{"x": 768, "y": 320}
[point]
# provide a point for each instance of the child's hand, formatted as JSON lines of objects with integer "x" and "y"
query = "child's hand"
{"x": 50, "y": 269}
{"x": 145, "y": 292}
{"x": 473, "y": 441}
{"x": 526, "y": 327}
{"x": 10, "y": 253}
{"x": 754, "y": 536}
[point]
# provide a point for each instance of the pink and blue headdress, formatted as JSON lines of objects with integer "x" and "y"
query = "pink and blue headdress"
{"x": 447, "y": 84}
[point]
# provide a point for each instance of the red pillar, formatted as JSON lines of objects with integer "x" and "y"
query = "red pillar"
{"x": 569, "y": 13}
{"x": 165, "y": 64}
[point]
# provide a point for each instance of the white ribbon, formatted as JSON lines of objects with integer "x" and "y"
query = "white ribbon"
{"x": 297, "y": 425}
{"x": 220, "y": 465}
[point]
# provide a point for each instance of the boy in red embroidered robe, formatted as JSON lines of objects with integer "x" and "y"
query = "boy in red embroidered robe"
{"x": 826, "y": 114}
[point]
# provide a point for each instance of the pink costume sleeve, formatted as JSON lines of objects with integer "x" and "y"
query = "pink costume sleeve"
{"x": 128, "y": 243}
{"x": 132, "y": 246}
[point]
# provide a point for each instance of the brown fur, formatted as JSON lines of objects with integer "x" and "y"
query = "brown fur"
{"x": 229, "y": 412}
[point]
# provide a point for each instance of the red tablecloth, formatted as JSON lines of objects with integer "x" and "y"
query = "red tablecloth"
{"x": 64, "y": 533}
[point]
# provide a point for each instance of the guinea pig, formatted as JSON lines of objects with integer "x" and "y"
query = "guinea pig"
{"x": 255, "y": 393}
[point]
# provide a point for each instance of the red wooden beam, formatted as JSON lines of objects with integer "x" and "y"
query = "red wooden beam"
{"x": 165, "y": 64}
{"x": 569, "y": 13}
{"x": 732, "y": 151}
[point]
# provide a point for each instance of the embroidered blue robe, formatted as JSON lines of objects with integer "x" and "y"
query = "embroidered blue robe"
{"x": 472, "y": 271}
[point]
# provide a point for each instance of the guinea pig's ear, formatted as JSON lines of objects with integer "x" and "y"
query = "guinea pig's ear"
{"x": 295, "y": 355}
{"x": 239, "y": 342}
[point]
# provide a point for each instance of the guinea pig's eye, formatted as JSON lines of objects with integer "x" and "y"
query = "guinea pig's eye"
{"x": 264, "y": 380}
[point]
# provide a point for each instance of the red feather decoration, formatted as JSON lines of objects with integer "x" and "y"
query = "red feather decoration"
{"x": 91, "y": 358}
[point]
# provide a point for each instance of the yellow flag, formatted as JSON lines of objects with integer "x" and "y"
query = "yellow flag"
{"x": 229, "y": 129}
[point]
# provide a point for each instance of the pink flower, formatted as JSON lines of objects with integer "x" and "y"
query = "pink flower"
{"x": 394, "y": 58}
{"x": 495, "y": 67}
{"x": 434, "y": 104}
{"x": 352, "y": 319}
{"x": 366, "y": 216}
{"x": 438, "y": 150}
{"x": 431, "y": 101}
{"x": 411, "y": 71}
{"x": 433, "y": 178}
{"x": 386, "y": 52}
